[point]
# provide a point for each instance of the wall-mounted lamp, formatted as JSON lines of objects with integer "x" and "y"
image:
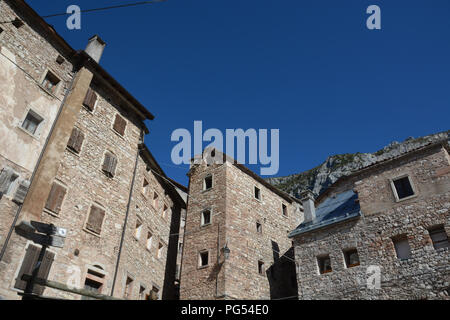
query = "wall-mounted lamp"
{"x": 226, "y": 251}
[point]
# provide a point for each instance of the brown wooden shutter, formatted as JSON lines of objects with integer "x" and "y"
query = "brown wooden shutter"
{"x": 112, "y": 169}
{"x": 110, "y": 164}
{"x": 95, "y": 220}
{"x": 56, "y": 198}
{"x": 21, "y": 191}
{"x": 120, "y": 124}
{"x": 90, "y": 99}
{"x": 44, "y": 271}
{"x": 79, "y": 142}
{"x": 28, "y": 263}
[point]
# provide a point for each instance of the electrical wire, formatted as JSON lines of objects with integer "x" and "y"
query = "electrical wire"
{"x": 140, "y": 3}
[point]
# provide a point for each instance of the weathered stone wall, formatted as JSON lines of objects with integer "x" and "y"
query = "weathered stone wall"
{"x": 139, "y": 262}
{"x": 235, "y": 214}
{"x": 25, "y": 58}
{"x": 426, "y": 275}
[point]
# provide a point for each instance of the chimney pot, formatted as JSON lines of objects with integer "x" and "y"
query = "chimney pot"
{"x": 309, "y": 207}
{"x": 95, "y": 48}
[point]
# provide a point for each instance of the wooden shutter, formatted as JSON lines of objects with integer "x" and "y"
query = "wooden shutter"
{"x": 76, "y": 140}
{"x": 120, "y": 124}
{"x": 56, "y": 198}
{"x": 28, "y": 264}
{"x": 5, "y": 179}
{"x": 95, "y": 220}
{"x": 110, "y": 164}
{"x": 21, "y": 191}
{"x": 90, "y": 99}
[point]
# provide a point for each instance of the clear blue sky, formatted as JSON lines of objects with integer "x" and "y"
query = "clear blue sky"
{"x": 310, "y": 68}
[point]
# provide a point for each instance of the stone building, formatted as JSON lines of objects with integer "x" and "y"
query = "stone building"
{"x": 72, "y": 154}
{"x": 380, "y": 233}
{"x": 236, "y": 243}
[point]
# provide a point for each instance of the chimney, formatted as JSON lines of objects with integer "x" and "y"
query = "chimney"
{"x": 309, "y": 206}
{"x": 95, "y": 48}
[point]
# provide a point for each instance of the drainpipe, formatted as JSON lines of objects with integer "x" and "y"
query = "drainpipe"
{"x": 122, "y": 240}
{"x": 19, "y": 209}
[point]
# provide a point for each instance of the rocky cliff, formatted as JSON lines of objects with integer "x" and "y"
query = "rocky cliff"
{"x": 319, "y": 178}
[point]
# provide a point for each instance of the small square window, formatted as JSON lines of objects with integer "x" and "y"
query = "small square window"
{"x": 142, "y": 293}
{"x": 160, "y": 250}
{"x": 145, "y": 187}
{"x": 17, "y": 23}
{"x": 324, "y": 263}
{"x": 128, "y": 288}
{"x": 60, "y": 59}
{"x": 155, "y": 200}
{"x": 32, "y": 122}
{"x": 261, "y": 269}
{"x": 403, "y": 188}
{"x": 203, "y": 259}
{"x": 149, "y": 241}
{"x": 208, "y": 183}
{"x": 206, "y": 217}
{"x": 402, "y": 247}
{"x": 439, "y": 237}
{"x": 258, "y": 227}
{"x": 351, "y": 258}
{"x": 1, "y": 31}
{"x": 138, "y": 229}
{"x": 284, "y": 210}
{"x": 50, "y": 82}
{"x": 257, "y": 193}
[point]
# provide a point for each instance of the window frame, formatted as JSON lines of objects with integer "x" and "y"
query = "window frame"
{"x": 257, "y": 191}
{"x": 38, "y": 131}
{"x": 321, "y": 258}
{"x": 432, "y": 231}
{"x": 200, "y": 260}
{"x": 56, "y": 87}
{"x": 346, "y": 253}
{"x": 204, "y": 188}
{"x": 399, "y": 239}
{"x": 202, "y": 218}
{"x": 394, "y": 189}
{"x": 98, "y": 205}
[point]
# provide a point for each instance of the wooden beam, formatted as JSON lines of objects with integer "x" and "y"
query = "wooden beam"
{"x": 63, "y": 287}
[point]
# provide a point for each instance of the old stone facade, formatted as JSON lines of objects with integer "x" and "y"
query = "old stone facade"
{"x": 401, "y": 238}
{"x": 95, "y": 177}
{"x": 231, "y": 207}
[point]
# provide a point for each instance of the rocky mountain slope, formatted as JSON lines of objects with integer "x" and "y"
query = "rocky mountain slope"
{"x": 319, "y": 178}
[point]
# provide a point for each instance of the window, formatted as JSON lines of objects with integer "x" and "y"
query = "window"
{"x": 324, "y": 263}
{"x": 284, "y": 210}
{"x": 439, "y": 237}
{"x": 8, "y": 180}
{"x": 50, "y": 82}
{"x": 28, "y": 264}
{"x": 160, "y": 250}
{"x": 17, "y": 23}
{"x": 55, "y": 198}
{"x": 149, "y": 241}
{"x": 261, "y": 267}
{"x": 76, "y": 140}
{"x": 203, "y": 259}
{"x": 155, "y": 200}
{"x": 206, "y": 217}
{"x": 402, "y": 247}
{"x": 154, "y": 294}
{"x": 95, "y": 220}
{"x": 257, "y": 193}
{"x": 165, "y": 211}
{"x": 119, "y": 125}
{"x": 94, "y": 282}
{"x": 138, "y": 229}
{"x": 145, "y": 187}
{"x": 142, "y": 293}
{"x": 128, "y": 288}
{"x": 21, "y": 191}
{"x": 351, "y": 258}
{"x": 90, "y": 100}
{"x": 109, "y": 164}
{"x": 32, "y": 122}
{"x": 258, "y": 227}
{"x": 208, "y": 183}
{"x": 403, "y": 188}
{"x": 60, "y": 59}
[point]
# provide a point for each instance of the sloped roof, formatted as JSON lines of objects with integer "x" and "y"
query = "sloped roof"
{"x": 342, "y": 207}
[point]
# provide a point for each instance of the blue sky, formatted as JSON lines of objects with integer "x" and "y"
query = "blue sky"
{"x": 309, "y": 68}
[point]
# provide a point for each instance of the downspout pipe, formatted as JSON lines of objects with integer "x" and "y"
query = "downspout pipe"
{"x": 122, "y": 240}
